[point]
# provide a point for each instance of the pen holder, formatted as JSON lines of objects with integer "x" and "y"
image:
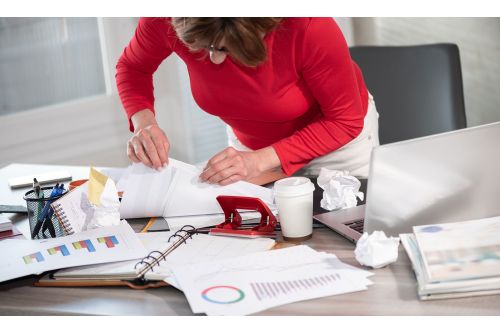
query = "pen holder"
{"x": 41, "y": 216}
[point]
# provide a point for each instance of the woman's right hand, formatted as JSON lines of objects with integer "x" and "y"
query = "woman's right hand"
{"x": 149, "y": 144}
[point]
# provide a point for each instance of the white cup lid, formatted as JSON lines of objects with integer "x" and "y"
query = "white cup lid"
{"x": 293, "y": 186}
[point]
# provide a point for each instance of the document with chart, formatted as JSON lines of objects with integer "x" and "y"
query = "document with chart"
{"x": 110, "y": 244}
{"x": 255, "y": 282}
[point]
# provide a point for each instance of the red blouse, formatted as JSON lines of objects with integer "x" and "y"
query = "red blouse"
{"x": 307, "y": 100}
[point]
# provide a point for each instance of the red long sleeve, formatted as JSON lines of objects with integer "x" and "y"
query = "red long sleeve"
{"x": 306, "y": 100}
{"x": 135, "y": 68}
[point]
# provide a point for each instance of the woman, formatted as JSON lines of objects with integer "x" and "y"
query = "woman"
{"x": 287, "y": 89}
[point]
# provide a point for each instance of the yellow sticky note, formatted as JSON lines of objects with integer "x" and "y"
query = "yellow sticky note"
{"x": 97, "y": 181}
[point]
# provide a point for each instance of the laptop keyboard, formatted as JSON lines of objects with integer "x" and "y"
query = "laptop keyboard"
{"x": 356, "y": 225}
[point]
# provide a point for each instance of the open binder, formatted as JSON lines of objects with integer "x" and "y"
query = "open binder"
{"x": 184, "y": 246}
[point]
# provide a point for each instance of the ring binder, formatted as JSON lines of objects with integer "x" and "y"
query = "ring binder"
{"x": 140, "y": 275}
{"x": 149, "y": 261}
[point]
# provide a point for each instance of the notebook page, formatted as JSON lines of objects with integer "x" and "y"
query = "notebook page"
{"x": 74, "y": 210}
{"x": 203, "y": 248}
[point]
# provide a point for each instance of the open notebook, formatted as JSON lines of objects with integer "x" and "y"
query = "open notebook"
{"x": 167, "y": 250}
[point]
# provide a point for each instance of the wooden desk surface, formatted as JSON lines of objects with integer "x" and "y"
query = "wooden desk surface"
{"x": 393, "y": 293}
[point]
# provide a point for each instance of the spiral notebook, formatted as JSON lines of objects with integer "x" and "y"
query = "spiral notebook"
{"x": 73, "y": 210}
{"x": 155, "y": 270}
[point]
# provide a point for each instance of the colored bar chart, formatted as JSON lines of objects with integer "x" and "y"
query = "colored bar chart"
{"x": 275, "y": 289}
{"x": 31, "y": 258}
{"x": 110, "y": 241}
{"x": 84, "y": 244}
{"x": 59, "y": 249}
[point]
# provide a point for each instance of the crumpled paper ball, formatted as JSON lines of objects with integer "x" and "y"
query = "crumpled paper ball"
{"x": 376, "y": 250}
{"x": 340, "y": 189}
{"x": 107, "y": 213}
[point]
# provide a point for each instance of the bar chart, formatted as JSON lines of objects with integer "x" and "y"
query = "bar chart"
{"x": 274, "y": 289}
{"x": 62, "y": 249}
{"x": 110, "y": 241}
{"x": 31, "y": 258}
{"x": 84, "y": 244}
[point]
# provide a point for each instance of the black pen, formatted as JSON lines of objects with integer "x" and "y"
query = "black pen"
{"x": 36, "y": 188}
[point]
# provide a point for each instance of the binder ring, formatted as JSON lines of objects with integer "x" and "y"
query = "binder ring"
{"x": 150, "y": 260}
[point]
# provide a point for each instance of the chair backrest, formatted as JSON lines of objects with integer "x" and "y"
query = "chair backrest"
{"x": 417, "y": 89}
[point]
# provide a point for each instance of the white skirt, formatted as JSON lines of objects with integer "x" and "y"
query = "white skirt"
{"x": 354, "y": 156}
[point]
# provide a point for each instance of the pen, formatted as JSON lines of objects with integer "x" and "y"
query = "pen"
{"x": 37, "y": 190}
{"x": 48, "y": 220}
{"x": 42, "y": 223}
{"x": 36, "y": 187}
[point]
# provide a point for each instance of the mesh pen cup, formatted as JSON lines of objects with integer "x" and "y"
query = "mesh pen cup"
{"x": 43, "y": 222}
{"x": 294, "y": 198}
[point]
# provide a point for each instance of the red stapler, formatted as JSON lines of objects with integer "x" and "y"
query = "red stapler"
{"x": 232, "y": 222}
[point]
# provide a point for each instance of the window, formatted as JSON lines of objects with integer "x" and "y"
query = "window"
{"x": 46, "y": 61}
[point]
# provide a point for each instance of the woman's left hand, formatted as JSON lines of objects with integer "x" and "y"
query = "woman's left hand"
{"x": 231, "y": 165}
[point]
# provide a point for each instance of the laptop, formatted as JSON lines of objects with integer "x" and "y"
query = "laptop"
{"x": 448, "y": 177}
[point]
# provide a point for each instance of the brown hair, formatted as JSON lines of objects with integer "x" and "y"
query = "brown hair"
{"x": 243, "y": 36}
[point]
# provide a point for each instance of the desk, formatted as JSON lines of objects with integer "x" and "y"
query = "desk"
{"x": 393, "y": 291}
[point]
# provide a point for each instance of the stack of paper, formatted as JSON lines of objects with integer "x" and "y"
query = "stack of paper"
{"x": 5, "y": 223}
{"x": 455, "y": 259}
{"x": 7, "y": 229}
{"x": 176, "y": 192}
{"x": 259, "y": 281}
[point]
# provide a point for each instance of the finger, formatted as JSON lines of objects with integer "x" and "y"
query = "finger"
{"x": 139, "y": 152}
{"x": 216, "y": 168}
{"x": 230, "y": 180}
{"x": 167, "y": 149}
{"x": 230, "y": 151}
{"x": 131, "y": 154}
{"x": 150, "y": 149}
{"x": 224, "y": 174}
{"x": 159, "y": 140}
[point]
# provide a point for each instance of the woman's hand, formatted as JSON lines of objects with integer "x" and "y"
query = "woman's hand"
{"x": 149, "y": 144}
{"x": 231, "y": 165}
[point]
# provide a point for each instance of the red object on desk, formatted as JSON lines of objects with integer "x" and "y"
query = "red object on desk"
{"x": 10, "y": 233}
{"x": 232, "y": 222}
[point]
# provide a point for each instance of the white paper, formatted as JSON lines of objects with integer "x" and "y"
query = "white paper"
{"x": 259, "y": 281}
{"x": 81, "y": 214}
{"x": 205, "y": 248}
{"x": 340, "y": 190}
{"x": 151, "y": 240}
{"x": 108, "y": 212}
{"x": 5, "y": 223}
{"x": 76, "y": 207}
{"x": 176, "y": 191}
{"x": 25, "y": 257}
{"x": 376, "y": 250}
{"x": 202, "y": 221}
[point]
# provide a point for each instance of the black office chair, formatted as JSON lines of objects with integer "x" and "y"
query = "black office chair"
{"x": 417, "y": 89}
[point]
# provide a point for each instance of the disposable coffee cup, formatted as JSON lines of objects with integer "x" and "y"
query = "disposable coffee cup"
{"x": 294, "y": 198}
